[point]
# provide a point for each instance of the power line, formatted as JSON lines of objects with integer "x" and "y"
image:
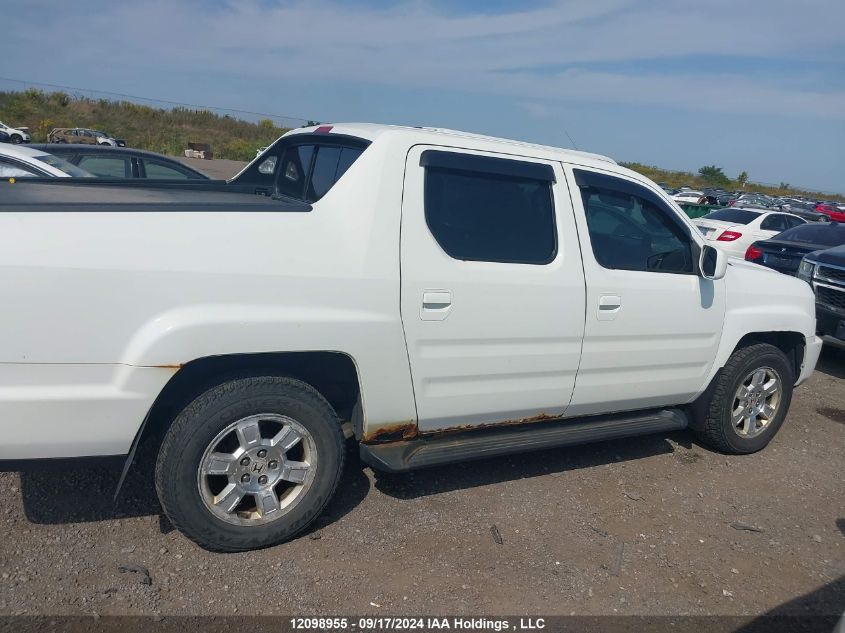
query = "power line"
{"x": 175, "y": 103}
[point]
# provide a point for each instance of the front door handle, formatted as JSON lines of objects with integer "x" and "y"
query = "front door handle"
{"x": 609, "y": 307}
{"x": 436, "y": 305}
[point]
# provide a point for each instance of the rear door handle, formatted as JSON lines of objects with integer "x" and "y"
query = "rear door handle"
{"x": 436, "y": 305}
{"x": 609, "y": 307}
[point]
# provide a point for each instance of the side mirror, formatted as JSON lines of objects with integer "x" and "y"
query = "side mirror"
{"x": 713, "y": 263}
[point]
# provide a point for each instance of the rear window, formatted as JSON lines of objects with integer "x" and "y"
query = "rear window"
{"x": 302, "y": 166}
{"x": 737, "y": 216}
{"x": 824, "y": 234}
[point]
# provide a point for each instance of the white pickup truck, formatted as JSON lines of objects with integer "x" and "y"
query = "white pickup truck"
{"x": 435, "y": 295}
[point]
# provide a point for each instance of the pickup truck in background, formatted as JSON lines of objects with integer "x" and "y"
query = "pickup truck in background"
{"x": 824, "y": 270}
{"x": 437, "y": 296}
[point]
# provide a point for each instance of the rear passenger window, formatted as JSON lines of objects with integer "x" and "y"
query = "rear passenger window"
{"x": 490, "y": 209}
{"x": 157, "y": 170}
{"x": 107, "y": 166}
{"x": 630, "y": 228}
{"x": 774, "y": 222}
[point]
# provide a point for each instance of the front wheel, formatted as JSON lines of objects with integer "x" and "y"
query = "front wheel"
{"x": 746, "y": 404}
{"x": 250, "y": 463}
{"x": 16, "y": 139}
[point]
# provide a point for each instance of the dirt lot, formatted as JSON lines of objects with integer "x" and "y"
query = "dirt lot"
{"x": 647, "y": 526}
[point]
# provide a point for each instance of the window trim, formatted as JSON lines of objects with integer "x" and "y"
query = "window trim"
{"x": 461, "y": 161}
{"x": 586, "y": 178}
{"x": 508, "y": 167}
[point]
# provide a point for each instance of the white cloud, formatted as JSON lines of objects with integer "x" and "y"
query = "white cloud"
{"x": 515, "y": 54}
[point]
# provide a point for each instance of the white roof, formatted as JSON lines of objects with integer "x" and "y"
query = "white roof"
{"x": 371, "y": 131}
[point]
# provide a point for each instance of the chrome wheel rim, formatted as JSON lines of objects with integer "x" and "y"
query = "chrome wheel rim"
{"x": 756, "y": 402}
{"x": 257, "y": 469}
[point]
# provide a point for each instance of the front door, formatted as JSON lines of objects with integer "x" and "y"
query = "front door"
{"x": 653, "y": 323}
{"x": 492, "y": 288}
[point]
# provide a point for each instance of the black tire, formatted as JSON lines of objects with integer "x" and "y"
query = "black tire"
{"x": 713, "y": 411}
{"x": 198, "y": 424}
{"x": 16, "y": 139}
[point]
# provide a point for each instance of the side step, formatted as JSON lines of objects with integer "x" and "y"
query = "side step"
{"x": 422, "y": 452}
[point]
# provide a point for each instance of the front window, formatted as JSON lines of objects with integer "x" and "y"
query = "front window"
{"x": 630, "y": 229}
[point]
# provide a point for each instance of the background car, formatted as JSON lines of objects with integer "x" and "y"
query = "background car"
{"x": 688, "y": 196}
{"x": 26, "y": 162}
{"x": 16, "y": 135}
{"x": 733, "y": 229}
{"x": 121, "y": 162}
{"x": 84, "y": 136}
{"x": 831, "y": 210}
{"x": 785, "y": 251}
{"x": 4, "y": 137}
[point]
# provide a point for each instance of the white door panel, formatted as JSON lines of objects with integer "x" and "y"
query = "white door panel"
{"x": 488, "y": 342}
{"x": 656, "y": 347}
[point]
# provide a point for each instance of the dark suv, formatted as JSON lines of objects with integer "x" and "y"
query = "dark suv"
{"x": 825, "y": 272}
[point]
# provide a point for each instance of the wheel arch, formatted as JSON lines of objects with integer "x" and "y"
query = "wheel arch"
{"x": 333, "y": 374}
{"x": 792, "y": 344}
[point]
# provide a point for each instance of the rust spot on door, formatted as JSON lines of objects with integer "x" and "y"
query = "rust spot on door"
{"x": 405, "y": 430}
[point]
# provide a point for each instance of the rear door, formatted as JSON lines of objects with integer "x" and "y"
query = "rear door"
{"x": 492, "y": 287}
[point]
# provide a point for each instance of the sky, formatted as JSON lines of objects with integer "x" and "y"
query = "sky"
{"x": 746, "y": 85}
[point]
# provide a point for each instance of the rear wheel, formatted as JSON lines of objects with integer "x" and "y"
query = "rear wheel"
{"x": 746, "y": 404}
{"x": 250, "y": 463}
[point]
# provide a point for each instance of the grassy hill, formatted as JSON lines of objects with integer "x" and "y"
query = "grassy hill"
{"x": 680, "y": 178}
{"x": 169, "y": 131}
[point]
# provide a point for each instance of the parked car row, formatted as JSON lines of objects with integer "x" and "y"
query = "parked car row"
{"x": 810, "y": 210}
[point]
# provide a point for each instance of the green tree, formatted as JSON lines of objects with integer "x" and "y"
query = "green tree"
{"x": 784, "y": 185}
{"x": 742, "y": 179}
{"x": 713, "y": 175}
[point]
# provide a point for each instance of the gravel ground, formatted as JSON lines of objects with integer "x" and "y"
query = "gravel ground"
{"x": 221, "y": 168}
{"x": 654, "y": 525}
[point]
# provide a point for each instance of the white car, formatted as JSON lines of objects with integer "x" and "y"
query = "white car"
{"x": 734, "y": 229}
{"x": 25, "y": 162}
{"x": 430, "y": 295}
{"x": 16, "y": 134}
{"x": 688, "y": 196}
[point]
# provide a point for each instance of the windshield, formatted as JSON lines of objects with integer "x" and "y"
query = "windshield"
{"x": 62, "y": 165}
{"x": 737, "y": 216}
{"x": 824, "y": 234}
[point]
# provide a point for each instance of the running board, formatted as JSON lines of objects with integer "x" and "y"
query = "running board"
{"x": 433, "y": 450}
